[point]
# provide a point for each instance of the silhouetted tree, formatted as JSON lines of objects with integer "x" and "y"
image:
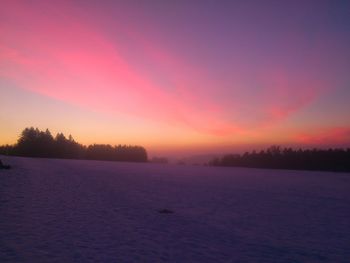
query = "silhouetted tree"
{"x": 116, "y": 153}
{"x": 277, "y": 158}
{"x": 35, "y": 143}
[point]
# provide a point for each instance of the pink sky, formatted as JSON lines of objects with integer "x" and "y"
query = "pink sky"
{"x": 176, "y": 77}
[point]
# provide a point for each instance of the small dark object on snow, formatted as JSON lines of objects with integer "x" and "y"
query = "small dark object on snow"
{"x": 165, "y": 211}
{"x": 3, "y": 166}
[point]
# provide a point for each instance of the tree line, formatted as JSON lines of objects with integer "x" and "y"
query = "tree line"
{"x": 36, "y": 143}
{"x": 287, "y": 158}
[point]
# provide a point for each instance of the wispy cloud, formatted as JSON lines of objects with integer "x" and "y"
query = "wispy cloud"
{"x": 58, "y": 52}
{"x": 325, "y": 136}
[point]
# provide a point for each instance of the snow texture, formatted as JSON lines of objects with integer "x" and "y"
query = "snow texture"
{"x": 94, "y": 211}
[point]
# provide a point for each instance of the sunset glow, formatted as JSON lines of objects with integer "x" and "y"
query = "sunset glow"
{"x": 185, "y": 76}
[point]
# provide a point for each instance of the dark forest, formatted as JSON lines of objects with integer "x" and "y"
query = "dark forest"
{"x": 275, "y": 157}
{"x": 35, "y": 143}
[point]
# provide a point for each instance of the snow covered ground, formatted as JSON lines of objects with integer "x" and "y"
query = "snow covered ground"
{"x": 93, "y": 211}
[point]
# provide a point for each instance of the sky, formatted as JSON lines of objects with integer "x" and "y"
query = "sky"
{"x": 177, "y": 77}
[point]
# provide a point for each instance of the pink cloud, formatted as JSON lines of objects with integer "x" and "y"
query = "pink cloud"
{"x": 85, "y": 69}
{"x": 55, "y": 51}
{"x": 326, "y": 136}
{"x": 285, "y": 93}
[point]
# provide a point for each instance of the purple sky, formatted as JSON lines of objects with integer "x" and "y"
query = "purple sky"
{"x": 177, "y": 75}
